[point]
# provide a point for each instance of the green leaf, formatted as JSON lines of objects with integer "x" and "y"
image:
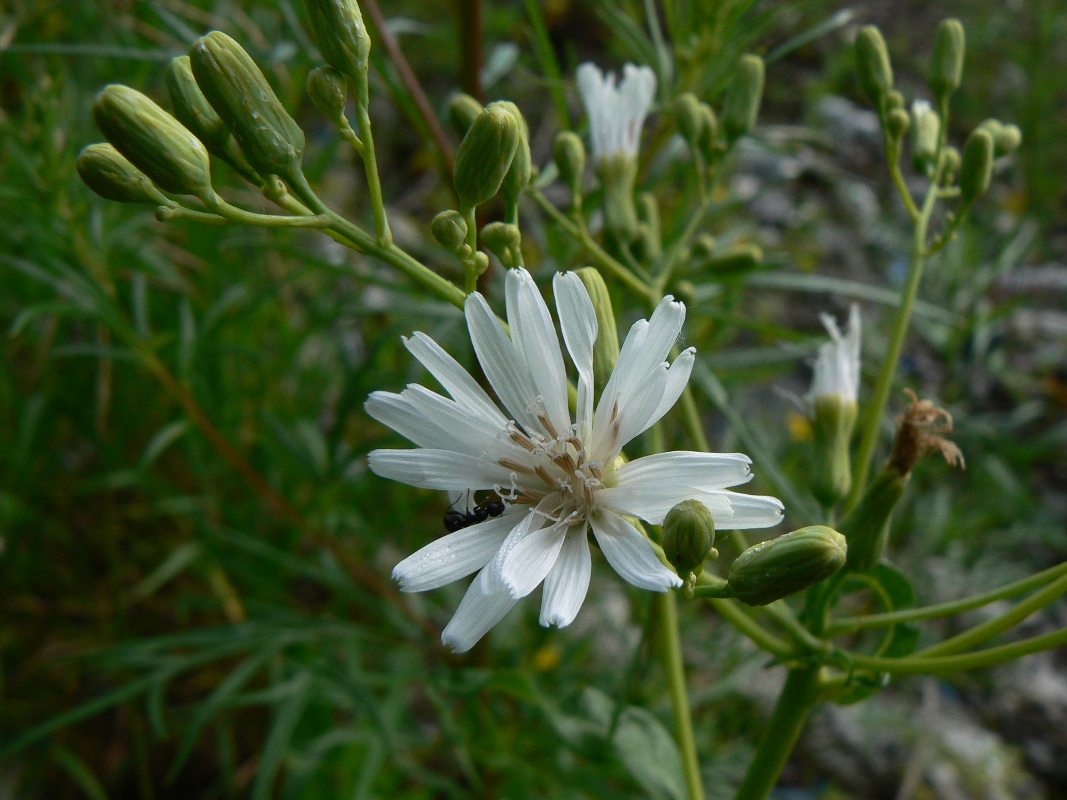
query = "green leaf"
{"x": 649, "y": 753}
{"x": 173, "y": 565}
{"x": 164, "y": 438}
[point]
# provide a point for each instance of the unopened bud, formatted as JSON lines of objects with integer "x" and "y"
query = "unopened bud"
{"x": 338, "y": 30}
{"x": 866, "y": 528}
{"x": 872, "y": 64}
{"x": 689, "y": 536}
{"x": 1006, "y": 138}
{"x": 450, "y": 230}
{"x": 569, "y": 154}
{"x": 976, "y": 166}
{"x": 503, "y": 241}
{"x": 618, "y": 172}
{"x": 734, "y": 259}
{"x": 893, "y": 99}
{"x": 462, "y": 111}
{"x": 107, "y": 172}
{"x": 485, "y": 155}
{"x": 191, "y": 107}
{"x": 154, "y": 141}
{"x": 950, "y": 165}
{"x": 897, "y": 123}
{"x": 237, "y": 89}
{"x": 711, "y": 147}
{"x": 606, "y": 346}
{"x": 946, "y": 66}
{"x": 925, "y": 133}
{"x": 518, "y": 174}
{"x": 689, "y": 118}
{"x": 743, "y": 96}
{"x": 779, "y": 567}
{"x": 833, "y": 422}
{"x": 328, "y": 90}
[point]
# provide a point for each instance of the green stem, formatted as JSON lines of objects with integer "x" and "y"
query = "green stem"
{"x": 673, "y": 665}
{"x": 780, "y": 734}
{"x": 734, "y": 613}
{"x": 370, "y": 164}
{"x": 849, "y": 625}
{"x": 470, "y": 217}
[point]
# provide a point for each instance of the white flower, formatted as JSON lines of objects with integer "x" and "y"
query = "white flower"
{"x": 837, "y": 367}
{"x": 616, "y": 114}
{"x": 557, "y": 477}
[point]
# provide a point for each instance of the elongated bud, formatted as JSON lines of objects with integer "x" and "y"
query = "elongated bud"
{"x": 777, "y": 568}
{"x": 976, "y": 165}
{"x": 946, "y": 66}
{"x": 1006, "y": 138}
{"x": 240, "y": 94}
{"x": 107, "y": 172}
{"x": 710, "y": 145}
{"x": 743, "y": 97}
{"x": 866, "y": 528}
{"x": 328, "y": 90}
{"x": 154, "y": 141}
{"x": 689, "y": 536}
{"x": 736, "y": 258}
{"x": 690, "y": 120}
{"x": 872, "y": 64}
{"x": 569, "y": 154}
{"x": 503, "y": 241}
{"x": 897, "y": 123}
{"x": 191, "y": 107}
{"x": 339, "y": 33}
{"x": 926, "y": 128}
{"x": 833, "y": 422}
{"x": 462, "y": 111}
{"x": 485, "y": 155}
{"x": 618, "y": 173}
{"x": 950, "y": 165}
{"x": 518, "y": 174}
{"x": 606, "y": 347}
{"x": 450, "y": 230}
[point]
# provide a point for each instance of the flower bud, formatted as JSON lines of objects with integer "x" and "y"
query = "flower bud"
{"x": 518, "y": 175}
{"x": 833, "y": 421}
{"x": 606, "y": 346}
{"x": 338, "y": 30}
{"x": 777, "y": 568}
{"x": 191, "y": 107}
{"x": 743, "y": 96}
{"x": 328, "y": 90}
{"x": 950, "y": 165}
{"x": 689, "y": 536}
{"x": 450, "y": 230}
{"x": 503, "y": 241}
{"x": 690, "y": 120}
{"x": 569, "y": 154}
{"x": 485, "y": 155}
{"x": 153, "y": 141}
{"x": 976, "y": 166}
{"x": 710, "y": 146}
{"x": 238, "y": 91}
{"x": 893, "y": 99}
{"x": 104, "y": 170}
{"x": 734, "y": 259}
{"x": 462, "y": 111}
{"x": 946, "y": 66}
{"x": 618, "y": 173}
{"x": 866, "y": 528}
{"x": 897, "y": 123}
{"x": 925, "y": 132}
{"x": 872, "y": 64}
{"x": 1006, "y": 138}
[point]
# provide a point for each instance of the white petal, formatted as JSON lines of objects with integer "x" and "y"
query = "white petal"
{"x": 452, "y": 376}
{"x": 530, "y": 557}
{"x": 630, "y": 554}
{"x": 502, "y": 363}
{"x": 750, "y": 511}
{"x": 430, "y": 420}
{"x": 568, "y": 581}
{"x": 454, "y": 556}
{"x": 633, "y": 416}
{"x": 677, "y": 378}
{"x": 687, "y": 469}
{"x": 440, "y": 469}
{"x": 477, "y": 613}
{"x": 577, "y": 319}
{"x": 534, "y": 336}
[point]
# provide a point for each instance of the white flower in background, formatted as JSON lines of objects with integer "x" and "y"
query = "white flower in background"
{"x": 616, "y": 113}
{"x": 557, "y": 478}
{"x": 837, "y": 367}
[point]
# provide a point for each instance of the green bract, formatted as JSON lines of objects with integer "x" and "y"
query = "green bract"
{"x": 518, "y": 174}
{"x": 104, "y": 170}
{"x": 191, "y": 107}
{"x": 485, "y": 155}
{"x": 777, "y": 568}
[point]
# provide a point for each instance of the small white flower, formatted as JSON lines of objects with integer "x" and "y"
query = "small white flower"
{"x": 837, "y": 367}
{"x": 557, "y": 477}
{"x": 616, "y": 114}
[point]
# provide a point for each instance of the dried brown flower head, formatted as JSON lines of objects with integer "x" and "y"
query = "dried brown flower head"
{"x": 919, "y": 431}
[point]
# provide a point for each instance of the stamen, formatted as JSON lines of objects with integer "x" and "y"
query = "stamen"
{"x": 507, "y": 463}
{"x": 542, "y": 473}
{"x": 542, "y": 417}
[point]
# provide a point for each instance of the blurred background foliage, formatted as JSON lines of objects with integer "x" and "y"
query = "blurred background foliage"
{"x": 195, "y": 560}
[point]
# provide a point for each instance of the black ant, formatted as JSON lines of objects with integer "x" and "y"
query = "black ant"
{"x": 458, "y": 520}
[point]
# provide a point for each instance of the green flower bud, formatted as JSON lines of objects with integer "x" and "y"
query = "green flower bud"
{"x": 925, "y": 131}
{"x": 191, "y": 107}
{"x": 503, "y": 241}
{"x": 328, "y": 90}
{"x": 104, "y": 170}
{"x": 946, "y": 66}
{"x": 154, "y": 141}
{"x": 976, "y": 166}
{"x": 618, "y": 173}
{"x": 1006, "y": 138}
{"x": 897, "y": 122}
{"x": 689, "y": 117}
{"x": 606, "y": 346}
{"x": 238, "y": 91}
{"x": 710, "y": 145}
{"x": 743, "y": 96}
{"x": 730, "y": 260}
{"x": 872, "y": 64}
{"x": 569, "y": 154}
{"x": 450, "y": 230}
{"x": 833, "y": 422}
{"x": 703, "y": 247}
{"x": 485, "y": 155}
{"x": 893, "y": 99}
{"x": 866, "y": 528}
{"x": 777, "y": 568}
{"x": 338, "y": 30}
{"x": 950, "y": 165}
{"x": 462, "y": 111}
{"x": 518, "y": 175}
{"x": 689, "y": 536}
